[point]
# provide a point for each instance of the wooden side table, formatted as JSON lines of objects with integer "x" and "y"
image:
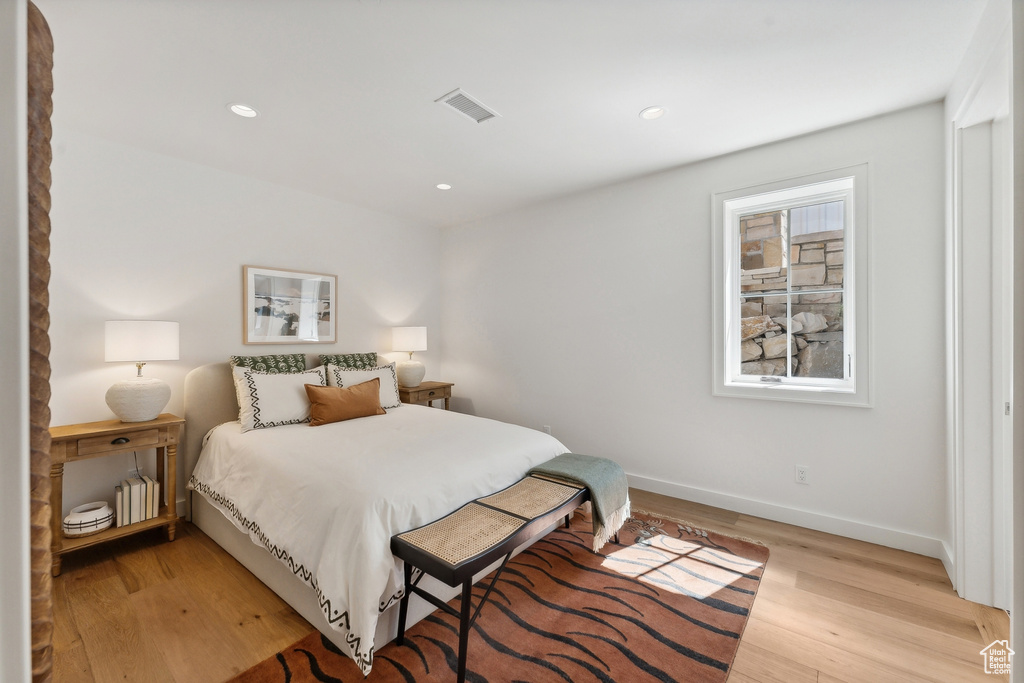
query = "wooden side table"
{"x": 427, "y": 392}
{"x": 71, "y": 443}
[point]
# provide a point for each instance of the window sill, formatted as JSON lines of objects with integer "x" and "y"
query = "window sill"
{"x": 798, "y": 394}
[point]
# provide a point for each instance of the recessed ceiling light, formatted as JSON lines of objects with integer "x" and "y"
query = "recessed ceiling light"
{"x": 652, "y": 113}
{"x": 244, "y": 110}
{"x": 444, "y": 186}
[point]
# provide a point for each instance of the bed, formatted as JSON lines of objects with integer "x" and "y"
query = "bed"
{"x": 310, "y": 510}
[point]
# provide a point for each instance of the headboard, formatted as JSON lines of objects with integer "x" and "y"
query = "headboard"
{"x": 209, "y": 401}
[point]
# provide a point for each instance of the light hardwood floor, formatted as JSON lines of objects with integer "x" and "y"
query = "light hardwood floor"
{"x": 829, "y": 609}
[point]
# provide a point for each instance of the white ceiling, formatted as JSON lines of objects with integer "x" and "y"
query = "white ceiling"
{"x": 346, "y": 88}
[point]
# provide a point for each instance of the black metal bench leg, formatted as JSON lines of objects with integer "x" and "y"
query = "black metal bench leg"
{"x": 467, "y": 604}
{"x": 403, "y": 605}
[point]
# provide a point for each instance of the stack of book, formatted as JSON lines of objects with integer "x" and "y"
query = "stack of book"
{"x": 136, "y": 500}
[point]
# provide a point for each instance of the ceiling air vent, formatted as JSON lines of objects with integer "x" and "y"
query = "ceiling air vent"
{"x": 467, "y": 106}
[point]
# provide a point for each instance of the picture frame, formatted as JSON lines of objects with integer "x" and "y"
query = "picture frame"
{"x": 288, "y": 306}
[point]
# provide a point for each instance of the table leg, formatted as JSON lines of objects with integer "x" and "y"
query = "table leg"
{"x": 56, "y": 512}
{"x": 169, "y": 486}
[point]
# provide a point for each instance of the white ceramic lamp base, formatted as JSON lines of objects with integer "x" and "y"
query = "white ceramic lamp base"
{"x": 138, "y": 399}
{"x": 410, "y": 373}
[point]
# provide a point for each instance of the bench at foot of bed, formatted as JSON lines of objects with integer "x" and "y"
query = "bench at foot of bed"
{"x": 454, "y": 548}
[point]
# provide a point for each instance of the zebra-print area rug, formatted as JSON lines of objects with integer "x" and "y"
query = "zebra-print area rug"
{"x": 667, "y": 604}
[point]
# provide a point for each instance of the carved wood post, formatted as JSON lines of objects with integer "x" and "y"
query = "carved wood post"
{"x": 40, "y": 106}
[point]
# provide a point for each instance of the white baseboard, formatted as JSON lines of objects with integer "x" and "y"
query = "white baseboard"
{"x": 923, "y": 545}
{"x": 946, "y": 557}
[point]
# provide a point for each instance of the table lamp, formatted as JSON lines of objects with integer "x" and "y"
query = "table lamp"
{"x": 139, "y": 399}
{"x": 410, "y": 372}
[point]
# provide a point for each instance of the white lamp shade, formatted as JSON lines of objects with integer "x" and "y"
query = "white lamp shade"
{"x": 140, "y": 340}
{"x": 139, "y": 399}
{"x": 408, "y": 339}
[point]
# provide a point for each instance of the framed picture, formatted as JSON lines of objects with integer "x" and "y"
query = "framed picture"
{"x": 287, "y": 306}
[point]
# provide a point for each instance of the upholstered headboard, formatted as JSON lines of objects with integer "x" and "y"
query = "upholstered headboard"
{"x": 209, "y": 401}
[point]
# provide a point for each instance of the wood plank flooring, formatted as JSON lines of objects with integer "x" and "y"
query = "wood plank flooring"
{"x": 829, "y": 610}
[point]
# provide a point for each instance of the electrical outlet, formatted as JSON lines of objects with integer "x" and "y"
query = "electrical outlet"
{"x": 134, "y": 474}
{"x": 547, "y": 429}
{"x": 803, "y": 474}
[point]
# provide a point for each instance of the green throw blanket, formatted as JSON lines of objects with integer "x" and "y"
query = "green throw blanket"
{"x": 609, "y": 490}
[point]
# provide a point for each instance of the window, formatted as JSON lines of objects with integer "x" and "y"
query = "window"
{"x": 789, "y": 297}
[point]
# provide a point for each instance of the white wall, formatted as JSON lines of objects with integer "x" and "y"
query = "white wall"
{"x": 591, "y": 314}
{"x": 140, "y": 235}
{"x": 15, "y": 627}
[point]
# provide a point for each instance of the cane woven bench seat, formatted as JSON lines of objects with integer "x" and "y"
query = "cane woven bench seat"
{"x": 456, "y": 547}
{"x": 531, "y": 497}
{"x": 464, "y": 534}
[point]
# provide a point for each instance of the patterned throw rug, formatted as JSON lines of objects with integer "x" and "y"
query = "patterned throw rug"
{"x": 668, "y": 604}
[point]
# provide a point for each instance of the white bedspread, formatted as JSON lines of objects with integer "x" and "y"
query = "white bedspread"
{"x": 326, "y": 500}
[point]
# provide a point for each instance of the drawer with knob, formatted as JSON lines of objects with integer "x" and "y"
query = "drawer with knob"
{"x": 426, "y": 392}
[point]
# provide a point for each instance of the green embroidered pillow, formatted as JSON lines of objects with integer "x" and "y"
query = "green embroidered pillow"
{"x": 360, "y": 361}
{"x": 274, "y": 364}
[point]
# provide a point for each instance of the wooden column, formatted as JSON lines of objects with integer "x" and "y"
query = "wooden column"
{"x": 40, "y": 106}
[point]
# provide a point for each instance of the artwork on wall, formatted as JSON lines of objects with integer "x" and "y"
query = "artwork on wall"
{"x": 287, "y": 306}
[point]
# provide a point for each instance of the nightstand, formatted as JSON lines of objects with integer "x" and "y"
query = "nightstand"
{"x": 71, "y": 443}
{"x": 427, "y": 392}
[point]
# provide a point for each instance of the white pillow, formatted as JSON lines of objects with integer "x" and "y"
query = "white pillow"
{"x": 338, "y": 376}
{"x": 274, "y": 399}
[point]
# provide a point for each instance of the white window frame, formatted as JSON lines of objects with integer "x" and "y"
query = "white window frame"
{"x": 848, "y": 184}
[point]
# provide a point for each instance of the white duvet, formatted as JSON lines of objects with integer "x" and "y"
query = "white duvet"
{"x": 326, "y": 500}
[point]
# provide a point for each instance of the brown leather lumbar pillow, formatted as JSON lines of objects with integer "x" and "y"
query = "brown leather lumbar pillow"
{"x": 334, "y": 404}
